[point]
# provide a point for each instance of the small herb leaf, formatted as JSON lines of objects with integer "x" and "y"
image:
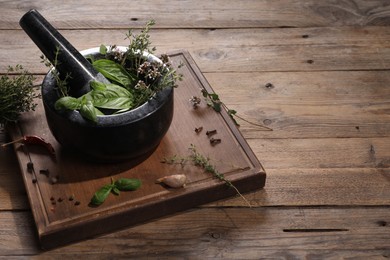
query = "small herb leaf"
{"x": 88, "y": 111}
{"x": 101, "y": 195}
{"x": 116, "y": 191}
{"x": 115, "y": 72}
{"x": 67, "y": 102}
{"x": 127, "y": 184}
{"x": 103, "y": 49}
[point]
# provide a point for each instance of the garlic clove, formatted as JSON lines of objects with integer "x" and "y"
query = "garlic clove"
{"x": 173, "y": 181}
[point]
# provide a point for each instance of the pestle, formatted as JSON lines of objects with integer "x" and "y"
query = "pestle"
{"x": 69, "y": 60}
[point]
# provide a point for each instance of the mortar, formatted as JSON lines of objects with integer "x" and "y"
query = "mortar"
{"x": 132, "y": 135}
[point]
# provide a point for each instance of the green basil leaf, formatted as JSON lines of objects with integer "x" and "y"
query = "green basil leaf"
{"x": 88, "y": 111}
{"x": 115, "y": 72}
{"x": 125, "y": 184}
{"x": 101, "y": 195}
{"x": 113, "y": 102}
{"x": 116, "y": 191}
{"x": 97, "y": 85}
{"x": 67, "y": 102}
{"x": 112, "y": 97}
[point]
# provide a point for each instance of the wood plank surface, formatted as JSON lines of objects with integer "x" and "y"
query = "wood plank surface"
{"x": 232, "y": 233}
{"x": 234, "y": 50}
{"x": 316, "y": 72}
{"x": 201, "y": 14}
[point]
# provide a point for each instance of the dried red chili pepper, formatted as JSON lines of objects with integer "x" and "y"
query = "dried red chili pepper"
{"x": 34, "y": 140}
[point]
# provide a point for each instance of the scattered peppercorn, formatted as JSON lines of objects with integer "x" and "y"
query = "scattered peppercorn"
{"x": 77, "y": 203}
{"x": 30, "y": 167}
{"x": 34, "y": 180}
{"x": 45, "y": 172}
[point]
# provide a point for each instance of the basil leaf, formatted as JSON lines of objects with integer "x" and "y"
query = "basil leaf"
{"x": 113, "y": 102}
{"x": 101, "y": 195}
{"x": 112, "y": 97}
{"x": 116, "y": 191}
{"x": 67, "y": 102}
{"x": 97, "y": 85}
{"x": 115, "y": 72}
{"x": 110, "y": 90}
{"x": 88, "y": 111}
{"x": 125, "y": 184}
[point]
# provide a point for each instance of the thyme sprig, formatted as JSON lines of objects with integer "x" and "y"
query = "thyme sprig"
{"x": 215, "y": 102}
{"x": 17, "y": 94}
{"x": 61, "y": 81}
{"x": 204, "y": 163}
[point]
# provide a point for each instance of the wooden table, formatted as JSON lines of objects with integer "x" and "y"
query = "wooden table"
{"x": 316, "y": 72}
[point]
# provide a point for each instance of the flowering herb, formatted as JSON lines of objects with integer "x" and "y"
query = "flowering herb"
{"x": 17, "y": 94}
{"x": 134, "y": 78}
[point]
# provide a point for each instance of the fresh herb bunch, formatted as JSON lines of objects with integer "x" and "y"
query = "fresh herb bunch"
{"x": 17, "y": 94}
{"x": 134, "y": 77}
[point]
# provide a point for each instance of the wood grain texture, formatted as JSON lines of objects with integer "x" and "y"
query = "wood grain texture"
{"x": 61, "y": 221}
{"x": 233, "y": 233}
{"x": 327, "y": 158}
{"x": 234, "y": 50}
{"x": 201, "y": 14}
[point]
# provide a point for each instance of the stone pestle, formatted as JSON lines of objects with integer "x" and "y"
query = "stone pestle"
{"x": 69, "y": 60}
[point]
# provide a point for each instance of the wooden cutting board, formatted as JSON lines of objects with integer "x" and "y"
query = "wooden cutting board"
{"x": 60, "y": 189}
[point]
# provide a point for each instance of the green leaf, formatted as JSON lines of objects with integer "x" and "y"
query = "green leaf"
{"x": 67, "y": 102}
{"x": 103, "y": 49}
{"x": 115, "y": 72}
{"x": 101, "y": 195}
{"x": 116, "y": 191}
{"x": 112, "y": 97}
{"x": 88, "y": 111}
{"x": 214, "y": 97}
{"x": 216, "y": 106}
{"x": 125, "y": 184}
{"x": 97, "y": 85}
{"x": 122, "y": 103}
{"x": 231, "y": 113}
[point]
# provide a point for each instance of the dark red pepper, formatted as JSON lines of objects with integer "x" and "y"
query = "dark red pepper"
{"x": 33, "y": 140}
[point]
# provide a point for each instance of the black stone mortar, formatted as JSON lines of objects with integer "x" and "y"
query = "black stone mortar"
{"x": 132, "y": 135}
